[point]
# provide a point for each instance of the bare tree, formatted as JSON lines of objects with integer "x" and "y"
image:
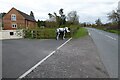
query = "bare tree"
{"x": 51, "y": 17}
{"x": 73, "y": 17}
{"x": 61, "y": 11}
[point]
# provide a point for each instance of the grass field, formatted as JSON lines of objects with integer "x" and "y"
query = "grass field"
{"x": 80, "y": 33}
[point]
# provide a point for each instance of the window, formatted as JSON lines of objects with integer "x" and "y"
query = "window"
{"x": 13, "y": 17}
{"x": 14, "y": 25}
{"x": 11, "y": 33}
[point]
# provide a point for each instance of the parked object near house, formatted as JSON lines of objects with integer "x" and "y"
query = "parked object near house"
{"x": 61, "y": 31}
{"x": 16, "y": 19}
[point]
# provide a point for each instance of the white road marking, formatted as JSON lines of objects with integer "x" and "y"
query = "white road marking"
{"x": 105, "y": 35}
{"x": 64, "y": 44}
{"x": 31, "y": 69}
{"x": 89, "y": 33}
{"x": 110, "y": 37}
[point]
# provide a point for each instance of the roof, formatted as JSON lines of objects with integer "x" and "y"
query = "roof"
{"x": 26, "y": 16}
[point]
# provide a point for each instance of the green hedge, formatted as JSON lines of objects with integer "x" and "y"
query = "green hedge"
{"x": 47, "y": 33}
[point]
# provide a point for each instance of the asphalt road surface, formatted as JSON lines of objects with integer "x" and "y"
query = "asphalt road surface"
{"x": 78, "y": 58}
{"x": 107, "y": 44}
{"x": 20, "y": 55}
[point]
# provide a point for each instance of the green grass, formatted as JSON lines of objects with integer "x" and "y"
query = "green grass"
{"x": 114, "y": 31}
{"x": 80, "y": 33}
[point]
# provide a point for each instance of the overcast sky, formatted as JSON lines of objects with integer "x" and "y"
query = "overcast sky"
{"x": 88, "y": 10}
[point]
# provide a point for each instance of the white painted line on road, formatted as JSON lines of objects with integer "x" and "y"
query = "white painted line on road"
{"x": 22, "y": 76}
{"x": 89, "y": 33}
{"x": 31, "y": 69}
{"x": 64, "y": 43}
{"x": 111, "y": 37}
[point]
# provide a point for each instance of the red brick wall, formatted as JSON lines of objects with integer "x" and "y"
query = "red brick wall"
{"x": 30, "y": 24}
{"x": 20, "y": 20}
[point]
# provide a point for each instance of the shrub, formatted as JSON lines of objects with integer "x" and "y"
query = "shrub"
{"x": 48, "y": 33}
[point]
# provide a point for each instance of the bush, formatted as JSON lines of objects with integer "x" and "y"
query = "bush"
{"x": 48, "y": 33}
{"x": 45, "y": 33}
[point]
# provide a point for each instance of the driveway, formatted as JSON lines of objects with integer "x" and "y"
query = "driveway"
{"x": 20, "y": 55}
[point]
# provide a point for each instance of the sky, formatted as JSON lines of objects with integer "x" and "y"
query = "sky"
{"x": 88, "y": 10}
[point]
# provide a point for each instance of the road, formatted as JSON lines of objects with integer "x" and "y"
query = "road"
{"x": 20, "y": 55}
{"x": 79, "y": 58}
{"x": 107, "y": 45}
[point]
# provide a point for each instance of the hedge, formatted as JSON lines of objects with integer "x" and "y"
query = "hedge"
{"x": 47, "y": 33}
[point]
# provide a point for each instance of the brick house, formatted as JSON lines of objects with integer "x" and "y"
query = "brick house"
{"x": 16, "y": 19}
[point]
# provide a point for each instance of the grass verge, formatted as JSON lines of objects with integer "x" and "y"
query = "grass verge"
{"x": 114, "y": 31}
{"x": 80, "y": 33}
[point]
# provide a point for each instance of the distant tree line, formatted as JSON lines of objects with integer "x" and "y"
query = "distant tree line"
{"x": 113, "y": 17}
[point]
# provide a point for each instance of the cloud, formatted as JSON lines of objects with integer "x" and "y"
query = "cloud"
{"x": 88, "y": 10}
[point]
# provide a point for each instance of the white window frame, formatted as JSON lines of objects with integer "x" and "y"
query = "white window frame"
{"x": 13, "y": 17}
{"x": 14, "y": 25}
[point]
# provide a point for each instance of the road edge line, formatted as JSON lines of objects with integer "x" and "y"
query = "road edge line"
{"x": 40, "y": 62}
{"x": 64, "y": 43}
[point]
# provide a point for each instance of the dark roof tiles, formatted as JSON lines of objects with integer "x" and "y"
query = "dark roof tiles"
{"x": 26, "y": 16}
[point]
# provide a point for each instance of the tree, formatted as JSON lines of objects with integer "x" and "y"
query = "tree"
{"x": 62, "y": 17}
{"x": 98, "y": 22}
{"x": 32, "y": 14}
{"x": 115, "y": 17}
{"x": 61, "y": 11}
{"x": 38, "y": 23}
{"x": 60, "y": 20}
{"x": 51, "y": 17}
{"x": 73, "y": 17}
{"x": 1, "y": 17}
